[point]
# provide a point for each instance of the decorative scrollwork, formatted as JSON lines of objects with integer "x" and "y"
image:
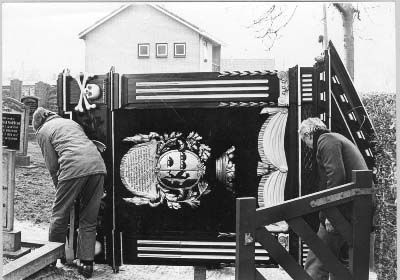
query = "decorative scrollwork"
{"x": 246, "y": 104}
{"x": 246, "y": 73}
{"x": 283, "y": 99}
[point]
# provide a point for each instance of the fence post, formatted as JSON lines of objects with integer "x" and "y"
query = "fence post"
{"x": 245, "y": 238}
{"x": 8, "y": 183}
{"x": 362, "y": 222}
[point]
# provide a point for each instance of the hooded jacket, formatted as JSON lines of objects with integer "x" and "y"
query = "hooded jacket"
{"x": 67, "y": 151}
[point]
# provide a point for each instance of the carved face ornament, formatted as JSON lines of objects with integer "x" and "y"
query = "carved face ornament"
{"x": 92, "y": 91}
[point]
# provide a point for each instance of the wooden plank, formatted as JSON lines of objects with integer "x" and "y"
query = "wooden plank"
{"x": 245, "y": 231}
{"x": 280, "y": 255}
{"x": 34, "y": 243}
{"x": 340, "y": 223}
{"x": 293, "y": 137}
{"x": 299, "y": 206}
{"x": 33, "y": 262}
{"x": 362, "y": 212}
{"x": 319, "y": 248}
{"x": 8, "y": 187}
{"x": 69, "y": 244}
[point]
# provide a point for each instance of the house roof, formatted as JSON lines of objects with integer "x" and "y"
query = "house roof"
{"x": 157, "y": 7}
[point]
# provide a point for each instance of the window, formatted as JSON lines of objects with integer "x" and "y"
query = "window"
{"x": 179, "y": 49}
{"x": 161, "y": 49}
{"x": 143, "y": 50}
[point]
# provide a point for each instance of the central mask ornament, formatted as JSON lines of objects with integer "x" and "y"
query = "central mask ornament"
{"x": 166, "y": 168}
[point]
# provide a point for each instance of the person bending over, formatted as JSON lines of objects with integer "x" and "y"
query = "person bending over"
{"x": 78, "y": 172}
{"x": 336, "y": 158}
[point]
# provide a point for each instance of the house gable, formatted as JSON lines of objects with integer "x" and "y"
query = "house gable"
{"x": 203, "y": 33}
{"x": 140, "y": 24}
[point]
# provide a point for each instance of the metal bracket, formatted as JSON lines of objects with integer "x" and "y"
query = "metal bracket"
{"x": 339, "y": 196}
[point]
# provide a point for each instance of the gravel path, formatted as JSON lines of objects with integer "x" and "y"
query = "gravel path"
{"x": 129, "y": 272}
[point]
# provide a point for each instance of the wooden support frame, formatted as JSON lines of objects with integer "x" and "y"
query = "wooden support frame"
{"x": 34, "y": 261}
{"x": 8, "y": 165}
{"x": 245, "y": 238}
{"x": 69, "y": 244}
{"x": 356, "y": 232}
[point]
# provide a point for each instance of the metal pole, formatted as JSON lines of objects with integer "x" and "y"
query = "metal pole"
{"x": 325, "y": 26}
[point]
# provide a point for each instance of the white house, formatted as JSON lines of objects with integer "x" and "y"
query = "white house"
{"x": 147, "y": 38}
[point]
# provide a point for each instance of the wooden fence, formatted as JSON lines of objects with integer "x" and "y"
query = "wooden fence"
{"x": 250, "y": 227}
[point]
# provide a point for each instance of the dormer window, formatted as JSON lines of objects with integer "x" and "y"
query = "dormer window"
{"x": 179, "y": 49}
{"x": 143, "y": 50}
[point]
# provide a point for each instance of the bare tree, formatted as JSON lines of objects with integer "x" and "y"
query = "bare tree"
{"x": 271, "y": 23}
{"x": 348, "y": 13}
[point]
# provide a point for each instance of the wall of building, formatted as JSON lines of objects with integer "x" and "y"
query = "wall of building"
{"x": 16, "y": 89}
{"x": 206, "y": 55}
{"x": 115, "y": 43}
{"x": 216, "y": 59}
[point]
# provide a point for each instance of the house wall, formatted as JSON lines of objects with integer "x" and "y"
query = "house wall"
{"x": 206, "y": 54}
{"x": 115, "y": 43}
{"x": 216, "y": 59}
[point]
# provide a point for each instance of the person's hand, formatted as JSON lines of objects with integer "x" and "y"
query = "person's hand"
{"x": 328, "y": 226}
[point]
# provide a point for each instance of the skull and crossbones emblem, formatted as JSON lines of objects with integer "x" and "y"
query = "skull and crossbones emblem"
{"x": 88, "y": 92}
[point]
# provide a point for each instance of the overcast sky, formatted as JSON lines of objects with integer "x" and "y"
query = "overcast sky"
{"x": 40, "y": 39}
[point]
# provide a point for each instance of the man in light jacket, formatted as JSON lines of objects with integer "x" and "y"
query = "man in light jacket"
{"x": 336, "y": 158}
{"x": 78, "y": 172}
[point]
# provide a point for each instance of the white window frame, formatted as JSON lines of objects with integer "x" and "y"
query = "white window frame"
{"x": 162, "y": 54}
{"x": 148, "y": 50}
{"x": 184, "y": 48}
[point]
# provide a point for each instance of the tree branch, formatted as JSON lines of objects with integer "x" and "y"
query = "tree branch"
{"x": 340, "y": 8}
{"x": 271, "y": 24}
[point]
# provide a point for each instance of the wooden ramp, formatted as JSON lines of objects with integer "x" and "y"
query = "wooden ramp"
{"x": 47, "y": 253}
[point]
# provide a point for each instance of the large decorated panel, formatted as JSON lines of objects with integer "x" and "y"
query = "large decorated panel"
{"x": 180, "y": 171}
{"x": 181, "y": 147}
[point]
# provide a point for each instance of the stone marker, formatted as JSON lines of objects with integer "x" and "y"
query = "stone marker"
{"x": 15, "y": 126}
{"x": 33, "y": 103}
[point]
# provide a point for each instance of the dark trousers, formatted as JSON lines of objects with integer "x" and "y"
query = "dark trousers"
{"x": 313, "y": 265}
{"x": 88, "y": 190}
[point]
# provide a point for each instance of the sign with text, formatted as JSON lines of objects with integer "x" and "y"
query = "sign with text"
{"x": 15, "y": 119}
{"x": 11, "y": 130}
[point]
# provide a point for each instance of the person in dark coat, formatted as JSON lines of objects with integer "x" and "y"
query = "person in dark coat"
{"x": 77, "y": 170}
{"x": 336, "y": 158}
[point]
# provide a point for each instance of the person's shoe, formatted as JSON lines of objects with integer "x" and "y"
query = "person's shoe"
{"x": 85, "y": 269}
